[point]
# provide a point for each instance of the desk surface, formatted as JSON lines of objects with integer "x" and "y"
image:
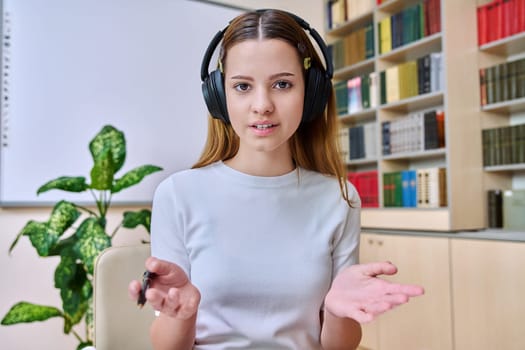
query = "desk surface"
{"x": 489, "y": 234}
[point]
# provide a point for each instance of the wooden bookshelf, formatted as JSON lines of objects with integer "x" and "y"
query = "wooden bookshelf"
{"x": 459, "y": 99}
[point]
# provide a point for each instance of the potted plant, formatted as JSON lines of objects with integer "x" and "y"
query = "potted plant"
{"x": 78, "y": 245}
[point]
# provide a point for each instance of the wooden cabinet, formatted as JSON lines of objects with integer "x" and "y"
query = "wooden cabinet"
{"x": 458, "y": 97}
{"x": 488, "y": 285}
{"x": 425, "y": 322}
{"x": 474, "y": 292}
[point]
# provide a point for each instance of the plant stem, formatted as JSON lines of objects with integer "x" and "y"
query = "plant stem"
{"x": 115, "y": 230}
{"x": 86, "y": 209}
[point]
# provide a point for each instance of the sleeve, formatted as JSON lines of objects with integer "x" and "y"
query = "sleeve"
{"x": 167, "y": 233}
{"x": 346, "y": 243}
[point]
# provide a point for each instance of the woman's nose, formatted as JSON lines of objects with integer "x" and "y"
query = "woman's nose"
{"x": 262, "y": 103}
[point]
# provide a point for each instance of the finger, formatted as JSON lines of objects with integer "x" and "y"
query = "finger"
{"x": 410, "y": 290}
{"x": 157, "y": 299}
{"x": 396, "y": 299}
{"x": 378, "y": 268}
{"x": 134, "y": 289}
{"x": 162, "y": 268}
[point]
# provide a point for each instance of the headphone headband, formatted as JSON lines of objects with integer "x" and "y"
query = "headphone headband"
{"x": 220, "y": 34}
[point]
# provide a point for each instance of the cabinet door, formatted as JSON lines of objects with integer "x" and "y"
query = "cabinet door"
{"x": 368, "y": 253}
{"x": 488, "y": 283}
{"x": 425, "y": 322}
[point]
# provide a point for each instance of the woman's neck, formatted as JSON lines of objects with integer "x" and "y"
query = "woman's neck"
{"x": 261, "y": 163}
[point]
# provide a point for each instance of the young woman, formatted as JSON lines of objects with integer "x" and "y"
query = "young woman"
{"x": 256, "y": 246}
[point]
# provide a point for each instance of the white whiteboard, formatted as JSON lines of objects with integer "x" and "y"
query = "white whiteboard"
{"x": 72, "y": 66}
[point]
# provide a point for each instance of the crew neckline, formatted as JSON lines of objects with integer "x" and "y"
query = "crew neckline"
{"x": 293, "y": 177}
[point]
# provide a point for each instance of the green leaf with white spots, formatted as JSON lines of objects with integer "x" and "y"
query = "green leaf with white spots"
{"x": 65, "y": 183}
{"x": 92, "y": 239}
{"x": 64, "y": 214}
{"x": 133, "y": 219}
{"x": 103, "y": 171}
{"x": 133, "y": 177}
{"x": 112, "y": 139}
{"x": 25, "y": 312}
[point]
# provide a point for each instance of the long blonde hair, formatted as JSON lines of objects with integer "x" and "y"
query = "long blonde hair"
{"x": 314, "y": 145}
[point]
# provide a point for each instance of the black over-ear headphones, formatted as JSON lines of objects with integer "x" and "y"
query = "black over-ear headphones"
{"x": 318, "y": 82}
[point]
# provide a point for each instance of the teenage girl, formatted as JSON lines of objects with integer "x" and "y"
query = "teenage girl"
{"x": 256, "y": 246}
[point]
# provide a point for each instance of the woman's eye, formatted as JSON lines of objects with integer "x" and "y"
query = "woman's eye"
{"x": 241, "y": 87}
{"x": 283, "y": 84}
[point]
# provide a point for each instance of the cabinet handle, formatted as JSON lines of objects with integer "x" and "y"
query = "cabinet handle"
{"x": 379, "y": 243}
{"x": 370, "y": 241}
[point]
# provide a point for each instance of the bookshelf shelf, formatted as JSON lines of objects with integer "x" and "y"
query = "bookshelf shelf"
{"x": 415, "y": 103}
{"x": 414, "y": 50}
{"x": 508, "y": 46}
{"x": 506, "y": 168}
{"x": 438, "y": 153}
{"x": 361, "y": 116}
{"x": 422, "y": 219}
{"x": 360, "y": 162}
{"x": 355, "y": 69}
{"x": 506, "y": 107}
{"x": 393, "y": 6}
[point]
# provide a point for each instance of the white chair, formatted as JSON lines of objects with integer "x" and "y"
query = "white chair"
{"x": 119, "y": 324}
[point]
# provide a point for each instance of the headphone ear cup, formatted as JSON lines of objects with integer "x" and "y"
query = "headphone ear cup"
{"x": 317, "y": 91}
{"x": 214, "y": 96}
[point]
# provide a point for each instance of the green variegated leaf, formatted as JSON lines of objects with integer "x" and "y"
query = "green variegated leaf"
{"x": 64, "y": 247}
{"x": 134, "y": 218}
{"x": 65, "y": 183}
{"x": 103, "y": 171}
{"x": 112, "y": 139}
{"x": 92, "y": 239}
{"x": 90, "y": 317}
{"x": 133, "y": 177}
{"x": 76, "y": 295}
{"x": 40, "y": 236}
{"x": 65, "y": 271}
{"x": 64, "y": 214}
{"x": 24, "y": 312}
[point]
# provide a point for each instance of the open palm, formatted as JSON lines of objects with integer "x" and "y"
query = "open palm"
{"x": 359, "y": 294}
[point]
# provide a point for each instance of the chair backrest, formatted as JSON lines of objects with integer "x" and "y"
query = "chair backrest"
{"x": 118, "y": 322}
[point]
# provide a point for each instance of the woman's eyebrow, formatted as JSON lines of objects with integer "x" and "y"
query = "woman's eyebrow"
{"x": 274, "y": 76}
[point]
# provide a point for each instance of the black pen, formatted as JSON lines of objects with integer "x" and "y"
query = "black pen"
{"x": 146, "y": 280}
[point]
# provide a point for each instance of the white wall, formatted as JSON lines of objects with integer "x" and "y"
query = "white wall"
{"x": 25, "y": 276}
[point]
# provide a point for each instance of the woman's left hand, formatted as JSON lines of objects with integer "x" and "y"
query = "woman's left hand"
{"x": 359, "y": 294}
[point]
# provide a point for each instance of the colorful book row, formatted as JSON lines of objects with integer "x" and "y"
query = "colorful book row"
{"x": 340, "y": 12}
{"x": 408, "y": 25}
{"x": 504, "y": 145}
{"x": 357, "y": 94}
{"x": 421, "y": 188}
{"x": 353, "y": 48}
{"x": 416, "y": 132}
{"x": 502, "y": 82}
{"x": 358, "y": 142}
{"x": 411, "y": 78}
{"x": 499, "y": 19}
{"x": 366, "y": 185}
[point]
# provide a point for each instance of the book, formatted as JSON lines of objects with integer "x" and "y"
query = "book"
{"x": 495, "y": 208}
{"x": 513, "y": 209}
{"x": 341, "y": 97}
{"x": 385, "y": 35}
{"x": 354, "y": 95}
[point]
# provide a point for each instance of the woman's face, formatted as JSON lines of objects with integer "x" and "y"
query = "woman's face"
{"x": 264, "y": 88}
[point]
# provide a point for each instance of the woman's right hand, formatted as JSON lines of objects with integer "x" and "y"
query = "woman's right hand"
{"x": 170, "y": 292}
